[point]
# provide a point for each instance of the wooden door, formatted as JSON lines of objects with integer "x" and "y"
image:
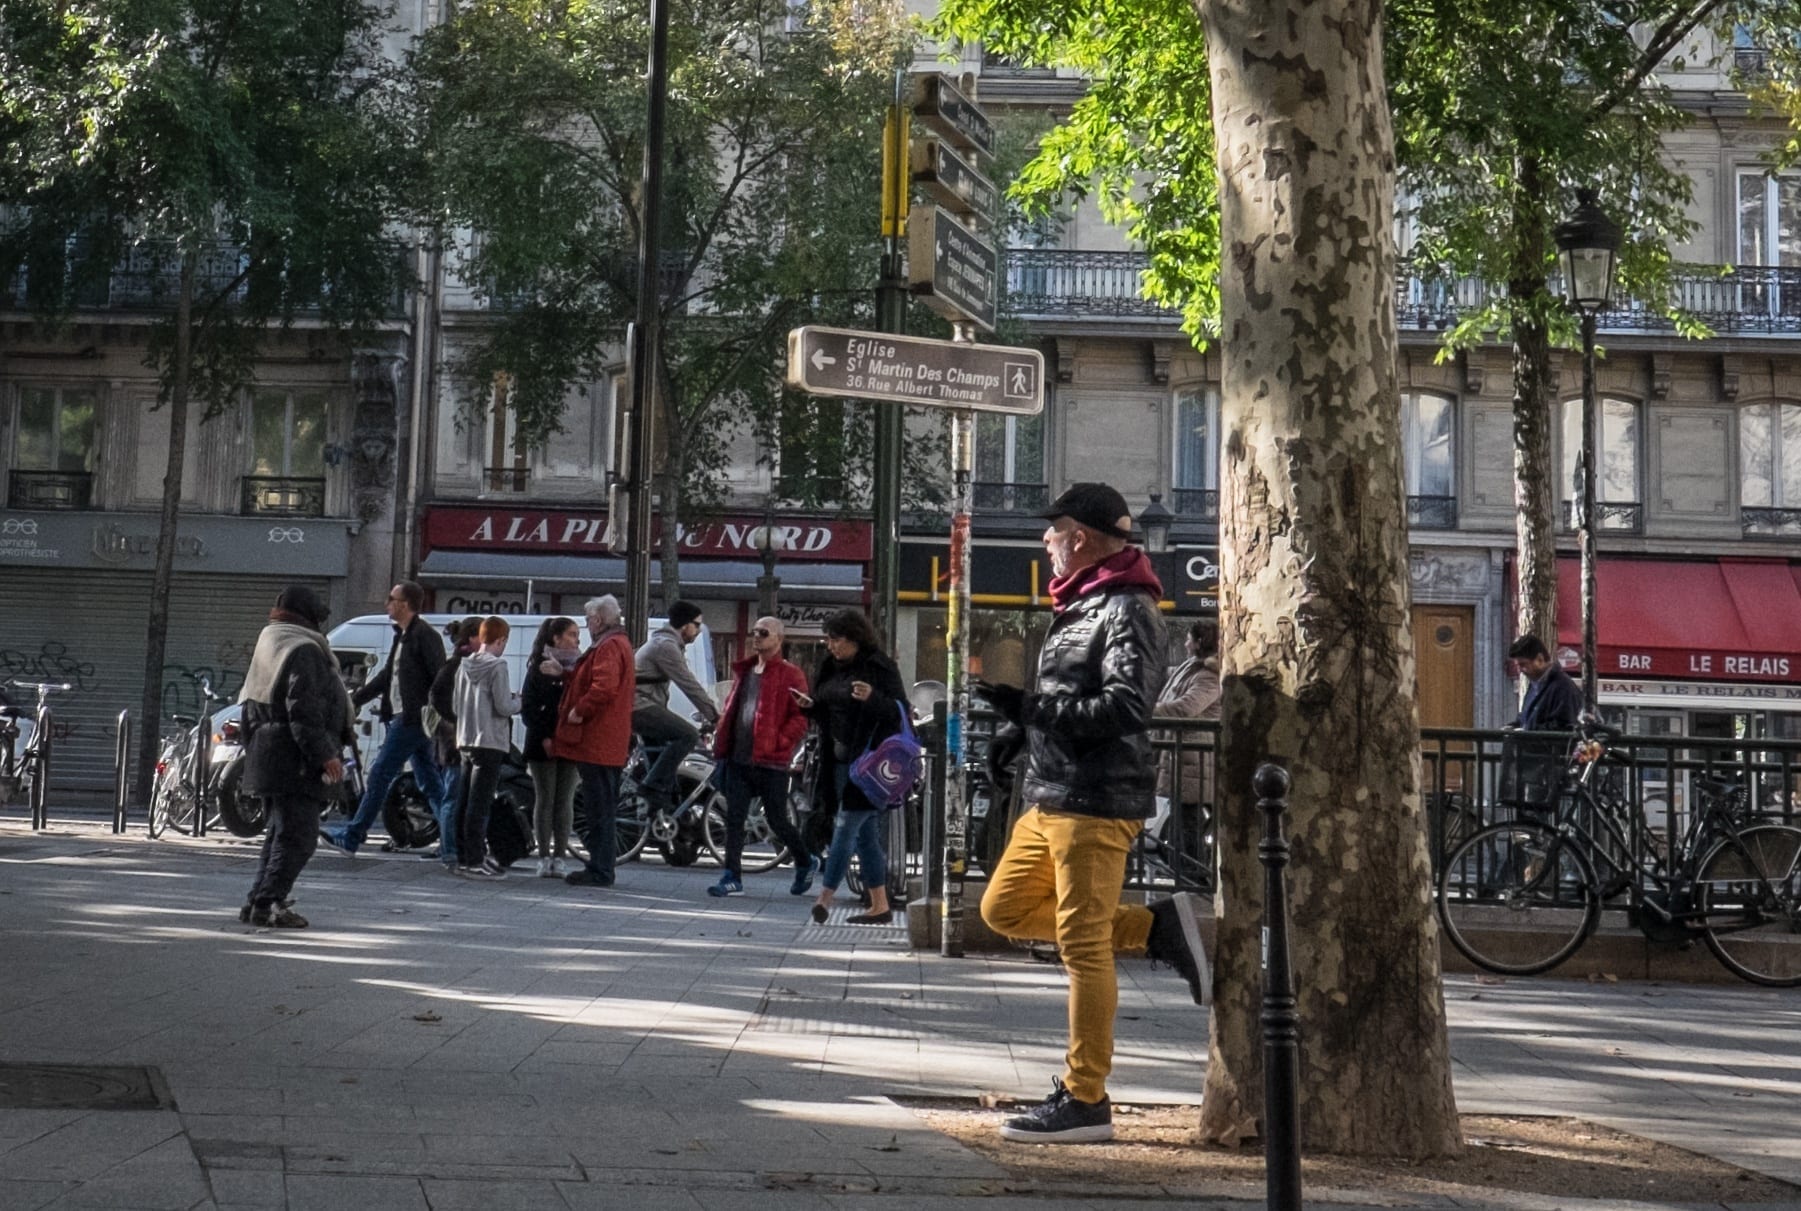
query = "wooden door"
{"x": 1444, "y": 650}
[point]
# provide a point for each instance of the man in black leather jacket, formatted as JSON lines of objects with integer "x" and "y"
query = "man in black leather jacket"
{"x": 403, "y": 687}
{"x": 1090, "y": 781}
{"x": 296, "y": 721}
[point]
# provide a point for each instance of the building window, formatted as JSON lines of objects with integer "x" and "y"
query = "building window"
{"x": 53, "y": 451}
{"x": 1617, "y": 498}
{"x": 1769, "y": 459}
{"x": 810, "y": 450}
{"x": 287, "y": 455}
{"x": 1009, "y": 463}
{"x": 1769, "y": 243}
{"x": 1428, "y": 453}
{"x": 505, "y": 466}
{"x": 1195, "y": 476}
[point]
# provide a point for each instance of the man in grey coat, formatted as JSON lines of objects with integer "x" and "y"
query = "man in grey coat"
{"x": 659, "y": 662}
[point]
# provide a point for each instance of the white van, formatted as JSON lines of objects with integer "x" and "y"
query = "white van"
{"x": 361, "y": 645}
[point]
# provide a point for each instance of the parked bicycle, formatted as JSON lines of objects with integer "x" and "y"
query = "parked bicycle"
{"x": 25, "y": 745}
{"x": 1521, "y": 896}
{"x": 683, "y": 831}
{"x": 182, "y": 796}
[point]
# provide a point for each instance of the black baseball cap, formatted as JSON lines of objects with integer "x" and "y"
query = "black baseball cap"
{"x": 1096, "y": 506}
{"x": 300, "y": 599}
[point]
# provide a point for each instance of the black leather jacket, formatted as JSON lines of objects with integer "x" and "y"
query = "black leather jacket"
{"x": 1088, "y": 741}
{"x": 419, "y": 653}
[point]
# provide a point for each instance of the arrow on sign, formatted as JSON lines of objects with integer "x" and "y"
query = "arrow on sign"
{"x": 821, "y": 361}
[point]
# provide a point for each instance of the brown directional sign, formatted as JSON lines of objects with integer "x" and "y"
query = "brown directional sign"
{"x": 915, "y": 370}
{"x": 938, "y": 104}
{"x": 950, "y": 179}
{"x": 951, "y": 267}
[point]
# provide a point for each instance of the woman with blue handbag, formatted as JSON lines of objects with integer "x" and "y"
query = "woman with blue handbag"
{"x": 858, "y": 701}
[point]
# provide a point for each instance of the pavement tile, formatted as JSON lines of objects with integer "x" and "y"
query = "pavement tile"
{"x": 354, "y": 1192}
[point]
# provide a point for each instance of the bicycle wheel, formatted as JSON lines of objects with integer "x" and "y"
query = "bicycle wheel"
{"x": 1517, "y": 899}
{"x": 631, "y": 823}
{"x": 1748, "y": 895}
{"x": 761, "y": 850}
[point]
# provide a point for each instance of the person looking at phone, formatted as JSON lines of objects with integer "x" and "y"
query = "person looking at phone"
{"x": 759, "y": 729}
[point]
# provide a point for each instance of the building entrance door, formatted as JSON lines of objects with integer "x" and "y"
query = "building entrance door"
{"x": 1444, "y": 651}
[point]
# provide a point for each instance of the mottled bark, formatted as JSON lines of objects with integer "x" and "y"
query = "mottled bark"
{"x": 1534, "y": 483}
{"x": 1317, "y": 652}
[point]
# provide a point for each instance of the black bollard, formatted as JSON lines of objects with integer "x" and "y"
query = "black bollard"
{"x": 121, "y": 770}
{"x": 1281, "y": 1026}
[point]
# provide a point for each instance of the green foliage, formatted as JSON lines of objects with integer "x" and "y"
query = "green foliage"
{"x": 251, "y": 142}
{"x": 533, "y": 116}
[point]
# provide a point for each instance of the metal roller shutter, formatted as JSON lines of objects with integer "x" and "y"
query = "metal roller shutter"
{"x": 87, "y": 627}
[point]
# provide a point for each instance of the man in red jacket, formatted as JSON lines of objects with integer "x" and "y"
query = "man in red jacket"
{"x": 594, "y": 730}
{"x": 759, "y": 729}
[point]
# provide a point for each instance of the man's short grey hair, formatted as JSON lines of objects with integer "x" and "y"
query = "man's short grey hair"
{"x": 605, "y": 607}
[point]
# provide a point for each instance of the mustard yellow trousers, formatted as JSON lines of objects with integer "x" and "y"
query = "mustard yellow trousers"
{"x": 1059, "y": 881}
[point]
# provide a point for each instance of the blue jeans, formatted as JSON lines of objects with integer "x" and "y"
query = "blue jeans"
{"x": 855, "y": 830}
{"x": 405, "y": 742}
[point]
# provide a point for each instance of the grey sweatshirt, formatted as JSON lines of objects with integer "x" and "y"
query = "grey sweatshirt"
{"x": 485, "y": 703}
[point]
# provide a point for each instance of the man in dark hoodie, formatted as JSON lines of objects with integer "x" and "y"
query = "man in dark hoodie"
{"x": 1090, "y": 779}
{"x": 295, "y": 724}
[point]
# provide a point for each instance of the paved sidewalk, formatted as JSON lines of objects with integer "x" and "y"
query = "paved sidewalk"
{"x": 437, "y": 1043}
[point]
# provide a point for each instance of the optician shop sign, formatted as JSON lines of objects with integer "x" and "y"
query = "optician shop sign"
{"x": 579, "y": 532}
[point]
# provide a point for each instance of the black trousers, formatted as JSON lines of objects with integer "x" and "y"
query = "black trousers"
{"x": 292, "y": 837}
{"x": 481, "y": 777}
{"x": 741, "y": 783}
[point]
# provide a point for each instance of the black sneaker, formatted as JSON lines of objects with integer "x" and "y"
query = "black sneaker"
{"x": 1062, "y": 1118}
{"x": 1176, "y": 940}
{"x": 277, "y": 916}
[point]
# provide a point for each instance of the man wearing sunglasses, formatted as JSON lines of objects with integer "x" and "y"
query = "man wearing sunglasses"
{"x": 759, "y": 729}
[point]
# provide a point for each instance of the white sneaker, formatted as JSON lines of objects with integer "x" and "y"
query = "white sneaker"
{"x": 547, "y": 868}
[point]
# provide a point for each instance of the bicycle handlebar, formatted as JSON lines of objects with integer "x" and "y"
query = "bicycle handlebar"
{"x": 41, "y": 687}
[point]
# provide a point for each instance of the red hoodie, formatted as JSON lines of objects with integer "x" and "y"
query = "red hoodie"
{"x": 1128, "y": 569}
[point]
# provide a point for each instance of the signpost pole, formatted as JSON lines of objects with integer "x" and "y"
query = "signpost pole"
{"x": 891, "y": 316}
{"x": 956, "y": 679}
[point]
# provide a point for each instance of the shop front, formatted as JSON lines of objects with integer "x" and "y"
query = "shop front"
{"x": 75, "y": 603}
{"x": 536, "y": 561}
{"x": 1010, "y": 603}
{"x": 1704, "y": 648}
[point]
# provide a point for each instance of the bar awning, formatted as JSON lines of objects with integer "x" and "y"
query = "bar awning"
{"x": 715, "y": 579}
{"x": 1697, "y": 620}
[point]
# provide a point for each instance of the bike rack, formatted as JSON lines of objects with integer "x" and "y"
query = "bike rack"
{"x": 203, "y": 744}
{"x": 40, "y": 778}
{"x": 121, "y": 770}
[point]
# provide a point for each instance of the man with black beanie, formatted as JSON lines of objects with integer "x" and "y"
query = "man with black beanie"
{"x": 659, "y": 662}
{"x": 295, "y": 724}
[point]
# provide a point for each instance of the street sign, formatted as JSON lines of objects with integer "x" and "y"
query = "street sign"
{"x": 938, "y": 104}
{"x": 916, "y": 370}
{"x": 951, "y": 267}
{"x": 950, "y": 179}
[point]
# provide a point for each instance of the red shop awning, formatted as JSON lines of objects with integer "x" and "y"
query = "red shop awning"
{"x": 1699, "y": 620}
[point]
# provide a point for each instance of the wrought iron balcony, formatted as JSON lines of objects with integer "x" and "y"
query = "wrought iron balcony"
{"x": 1010, "y": 498}
{"x": 1432, "y": 512}
{"x": 1195, "y": 502}
{"x": 1770, "y": 523}
{"x": 49, "y": 489}
{"x": 281, "y": 496}
{"x": 1058, "y": 283}
{"x": 507, "y": 479}
{"x": 1615, "y": 516}
{"x": 147, "y": 277}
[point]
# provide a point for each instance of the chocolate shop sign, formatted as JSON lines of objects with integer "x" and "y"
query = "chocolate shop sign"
{"x": 462, "y": 528}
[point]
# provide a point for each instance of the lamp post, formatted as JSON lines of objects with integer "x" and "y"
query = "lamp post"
{"x": 769, "y": 584}
{"x": 1587, "y": 243}
{"x": 1156, "y": 521}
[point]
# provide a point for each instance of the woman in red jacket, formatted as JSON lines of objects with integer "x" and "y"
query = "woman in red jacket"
{"x": 594, "y": 730}
{"x": 759, "y": 729}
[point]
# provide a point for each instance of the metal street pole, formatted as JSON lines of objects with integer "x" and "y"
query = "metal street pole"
{"x": 891, "y": 316}
{"x": 644, "y": 334}
{"x": 1590, "y": 523}
{"x": 956, "y": 677}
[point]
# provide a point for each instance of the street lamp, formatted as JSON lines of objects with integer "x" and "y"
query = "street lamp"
{"x": 1587, "y": 243}
{"x": 1156, "y": 521}
{"x": 768, "y": 540}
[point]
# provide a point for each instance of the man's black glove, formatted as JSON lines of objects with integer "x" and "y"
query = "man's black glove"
{"x": 1009, "y": 701}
